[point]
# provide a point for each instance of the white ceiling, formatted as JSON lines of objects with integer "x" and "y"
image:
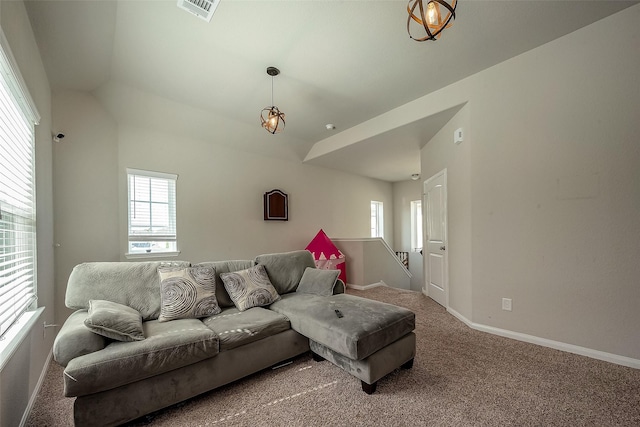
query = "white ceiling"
{"x": 341, "y": 62}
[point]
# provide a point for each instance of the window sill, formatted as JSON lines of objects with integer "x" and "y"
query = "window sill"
{"x": 151, "y": 255}
{"x": 17, "y": 333}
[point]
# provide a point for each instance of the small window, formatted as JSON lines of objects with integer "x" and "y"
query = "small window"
{"x": 416, "y": 225}
{"x": 377, "y": 219}
{"x": 152, "y": 212}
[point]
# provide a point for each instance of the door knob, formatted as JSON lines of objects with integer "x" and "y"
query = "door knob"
{"x": 442, "y": 248}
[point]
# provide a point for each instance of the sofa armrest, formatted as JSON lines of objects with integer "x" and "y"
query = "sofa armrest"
{"x": 75, "y": 339}
{"x": 340, "y": 287}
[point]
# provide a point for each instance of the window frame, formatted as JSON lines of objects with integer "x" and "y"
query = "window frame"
{"x": 417, "y": 238}
{"x": 153, "y": 237}
{"x": 377, "y": 212}
{"x": 18, "y": 268}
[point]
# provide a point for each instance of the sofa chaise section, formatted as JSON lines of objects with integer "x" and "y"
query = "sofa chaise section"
{"x": 366, "y": 338}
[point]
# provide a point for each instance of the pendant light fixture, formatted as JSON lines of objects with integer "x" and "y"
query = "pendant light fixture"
{"x": 433, "y": 18}
{"x": 271, "y": 118}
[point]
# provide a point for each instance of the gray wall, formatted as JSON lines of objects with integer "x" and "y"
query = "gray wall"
{"x": 22, "y": 372}
{"x": 441, "y": 153}
{"x": 85, "y": 166}
{"x": 404, "y": 192}
{"x": 544, "y": 189}
{"x": 370, "y": 261}
{"x": 219, "y": 191}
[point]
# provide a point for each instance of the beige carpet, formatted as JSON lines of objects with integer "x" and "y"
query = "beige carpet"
{"x": 461, "y": 377}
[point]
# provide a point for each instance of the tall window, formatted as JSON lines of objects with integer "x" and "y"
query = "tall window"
{"x": 377, "y": 219}
{"x": 18, "y": 118}
{"x": 152, "y": 212}
{"x": 416, "y": 225}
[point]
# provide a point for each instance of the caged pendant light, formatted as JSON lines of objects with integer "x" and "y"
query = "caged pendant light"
{"x": 433, "y": 18}
{"x": 271, "y": 118}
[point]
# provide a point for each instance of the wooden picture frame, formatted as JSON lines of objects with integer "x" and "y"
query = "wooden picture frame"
{"x": 276, "y": 205}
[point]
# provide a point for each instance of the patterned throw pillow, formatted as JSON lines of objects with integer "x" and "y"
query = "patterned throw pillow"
{"x": 187, "y": 293}
{"x": 250, "y": 288}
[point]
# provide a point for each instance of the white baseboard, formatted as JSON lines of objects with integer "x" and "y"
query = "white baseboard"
{"x": 365, "y": 287}
{"x": 557, "y": 345}
{"x": 34, "y": 395}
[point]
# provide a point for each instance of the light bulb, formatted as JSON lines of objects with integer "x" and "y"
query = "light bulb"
{"x": 433, "y": 13}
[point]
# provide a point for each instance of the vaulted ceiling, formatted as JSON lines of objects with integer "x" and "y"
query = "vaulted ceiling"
{"x": 341, "y": 62}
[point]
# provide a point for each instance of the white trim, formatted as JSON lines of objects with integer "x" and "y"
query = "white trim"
{"x": 152, "y": 174}
{"x": 151, "y": 255}
{"x": 133, "y": 236}
{"x": 354, "y": 239}
{"x": 152, "y": 238}
{"x": 36, "y": 390}
{"x": 557, "y": 345}
{"x": 379, "y": 210}
{"x": 414, "y": 225}
{"x": 365, "y": 287}
{"x": 425, "y": 231}
{"x": 16, "y": 334}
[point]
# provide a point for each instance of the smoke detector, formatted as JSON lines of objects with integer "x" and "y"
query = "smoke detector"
{"x": 203, "y": 9}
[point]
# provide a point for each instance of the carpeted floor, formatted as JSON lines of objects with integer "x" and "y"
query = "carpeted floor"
{"x": 460, "y": 377}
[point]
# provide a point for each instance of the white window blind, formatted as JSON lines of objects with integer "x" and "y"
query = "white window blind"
{"x": 377, "y": 220}
{"x": 416, "y": 225}
{"x": 152, "y": 212}
{"x": 18, "y": 118}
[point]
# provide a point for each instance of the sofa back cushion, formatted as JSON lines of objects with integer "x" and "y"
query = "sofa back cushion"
{"x": 286, "y": 269}
{"x": 134, "y": 284}
{"x": 225, "y": 267}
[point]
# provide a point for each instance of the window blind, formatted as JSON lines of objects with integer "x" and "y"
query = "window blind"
{"x": 18, "y": 117}
{"x": 376, "y": 219}
{"x": 416, "y": 225}
{"x": 152, "y": 211}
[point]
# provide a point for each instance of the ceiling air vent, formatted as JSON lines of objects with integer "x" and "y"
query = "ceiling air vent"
{"x": 203, "y": 9}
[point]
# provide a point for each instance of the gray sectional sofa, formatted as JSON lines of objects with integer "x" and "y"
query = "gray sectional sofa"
{"x": 136, "y": 344}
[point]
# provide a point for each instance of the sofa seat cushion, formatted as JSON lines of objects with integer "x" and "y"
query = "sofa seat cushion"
{"x": 235, "y": 328}
{"x": 365, "y": 327}
{"x": 168, "y": 346}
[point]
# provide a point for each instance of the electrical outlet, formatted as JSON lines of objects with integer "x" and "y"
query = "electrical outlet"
{"x": 506, "y": 304}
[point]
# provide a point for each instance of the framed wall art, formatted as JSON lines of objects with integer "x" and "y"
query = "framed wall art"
{"x": 276, "y": 206}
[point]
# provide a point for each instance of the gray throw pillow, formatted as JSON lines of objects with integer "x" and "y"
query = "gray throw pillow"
{"x": 187, "y": 293}
{"x": 250, "y": 288}
{"x": 286, "y": 269}
{"x": 115, "y": 321}
{"x": 318, "y": 282}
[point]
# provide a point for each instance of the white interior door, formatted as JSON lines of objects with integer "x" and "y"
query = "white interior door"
{"x": 435, "y": 251}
